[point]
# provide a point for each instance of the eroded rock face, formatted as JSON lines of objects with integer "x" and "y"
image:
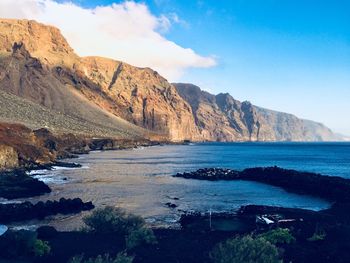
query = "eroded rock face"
{"x": 138, "y": 95}
{"x": 8, "y": 157}
{"x": 42, "y": 41}
{"x": 222, "y": 118}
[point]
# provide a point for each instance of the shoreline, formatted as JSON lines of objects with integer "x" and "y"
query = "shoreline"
{"x": 31, "y": 187}
{"x": 183, "y": 242}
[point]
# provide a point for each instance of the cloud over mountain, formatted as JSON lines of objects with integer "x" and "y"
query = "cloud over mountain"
{"x": 126, "y": 31}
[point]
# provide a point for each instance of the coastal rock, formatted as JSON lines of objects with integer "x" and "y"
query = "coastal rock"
{"x": 26, "y": 210}
{"x": 331, "y": 188}
{"x": 17, "y": 184}
{"x": 171, "y": 205}
{"x": 45, "y": 232}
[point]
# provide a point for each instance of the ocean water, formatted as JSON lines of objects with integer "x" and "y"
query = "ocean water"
{"x": 140, "y": 180}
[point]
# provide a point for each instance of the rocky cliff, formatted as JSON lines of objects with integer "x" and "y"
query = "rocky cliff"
{"x": 43, "y": 83}
{"x": 222, "y": 118}
{"x": 43, "y": 68}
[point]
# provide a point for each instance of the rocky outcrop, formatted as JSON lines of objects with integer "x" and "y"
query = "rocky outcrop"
{"x": 331, "y": 188}
{"x": 8, "y": 157}
{"x": 25, "y": 211}
{"x": 37, "y": 148}
{"x": 222, "y": 118}
{"x": 42, "y": 41}
{"x": 17, "y": 184}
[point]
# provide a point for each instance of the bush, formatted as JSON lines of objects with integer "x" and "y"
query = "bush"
{"x": 245, "y": 250}
{"x": 320, "y": 234}
{"x": 140, "y": 237}
{"x": 16, "y": 244}
{"x": 41, "y": 248}
{"x": 121, "y": 258}
{"x": 278, "y": 236}
{"x": 115, "y": 220}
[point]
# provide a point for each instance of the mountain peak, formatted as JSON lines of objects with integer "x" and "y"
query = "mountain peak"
{"x": 41, "y": 41}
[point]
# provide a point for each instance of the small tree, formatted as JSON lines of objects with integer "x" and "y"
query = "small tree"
{"x": 245, "y": 250}
{"x": 113, "y": 220}
{"x": 139, "y": 237}
{"x": 116, "y": 220}
{"x": 278, "y": 236}
{"x": 41, "y": 248}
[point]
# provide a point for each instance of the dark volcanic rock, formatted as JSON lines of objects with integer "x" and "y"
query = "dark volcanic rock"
{"x": 17, "y": 184}
{"x": 27, "y": 210}
{"x": 45, "y": 232}
{"x": 331, "y": 188}
{"x": 170, "y": 205}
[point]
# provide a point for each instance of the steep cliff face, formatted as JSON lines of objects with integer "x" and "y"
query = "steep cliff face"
{"x": 222, "y": 118}
{"x": 45, "y": 70}
{"x": 140, "y": 96}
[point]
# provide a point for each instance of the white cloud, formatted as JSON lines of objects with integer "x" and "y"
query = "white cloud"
{"x": 126, "y": 31}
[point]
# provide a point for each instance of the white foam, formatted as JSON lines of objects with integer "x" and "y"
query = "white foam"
{"x": 51, "y": 178}
{"x": 25, "y": 227}
{"x": 55, "y": 168}
{"x": 6, "y": 202}
{"x": 37, "y": 172}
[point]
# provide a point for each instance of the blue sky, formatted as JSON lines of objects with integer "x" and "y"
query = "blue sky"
{"x": 291, "y": 56}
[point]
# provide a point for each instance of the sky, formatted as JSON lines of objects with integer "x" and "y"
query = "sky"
{"x": 291, "y": 56}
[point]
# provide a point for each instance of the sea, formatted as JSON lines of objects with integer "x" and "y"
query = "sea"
{"x": 140, "y": 180}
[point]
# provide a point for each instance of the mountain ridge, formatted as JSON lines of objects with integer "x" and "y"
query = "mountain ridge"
{"x": 38, "y": 65}
{"x": 138, "y": 95}
{"x": 243, "y": 121}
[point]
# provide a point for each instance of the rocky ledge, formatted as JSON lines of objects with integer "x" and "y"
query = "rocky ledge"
{"x": 331, "y": 188}
{"x": 26, "y": 210}
{"x": 17, "y": 184}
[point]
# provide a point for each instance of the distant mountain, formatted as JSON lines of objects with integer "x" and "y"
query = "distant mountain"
{"x": 222, "y": 118}
{"x": 43, "y": 83}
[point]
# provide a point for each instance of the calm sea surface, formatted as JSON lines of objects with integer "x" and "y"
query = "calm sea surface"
{"x": 140, "y": 181}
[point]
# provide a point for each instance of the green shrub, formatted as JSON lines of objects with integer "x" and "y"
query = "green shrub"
{"x": 120, "y": 258}
{"x": 320, "y": 234}
{"x": 139, "y": 237}
{"x": 22, "y": 243}
{"x": 278, "y": 236}
{"x": 41, "y": 248}
{"x": 245, "y": 250}
{"x": 115, "y": 220}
